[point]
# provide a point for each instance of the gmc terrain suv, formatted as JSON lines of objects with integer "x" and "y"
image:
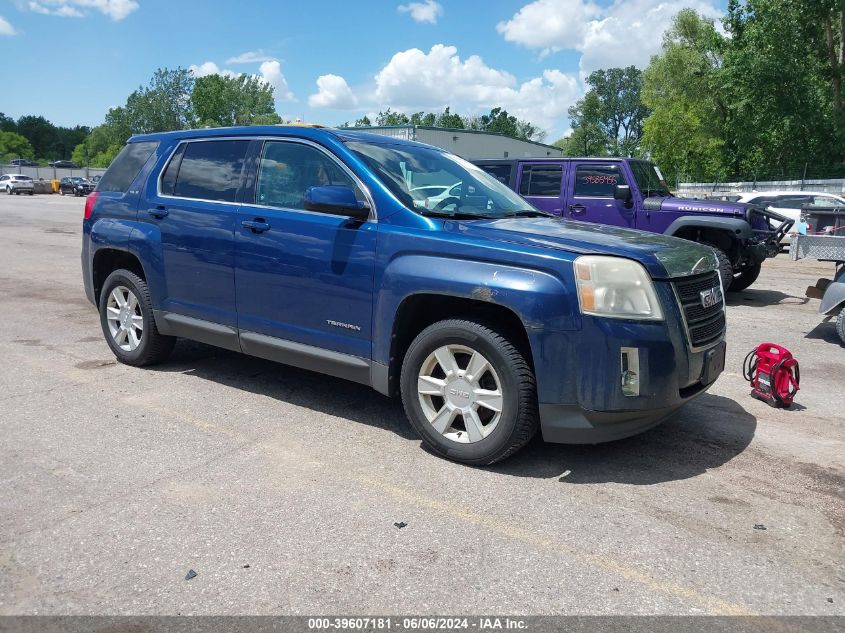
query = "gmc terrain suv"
{"x": 319, "y": 248}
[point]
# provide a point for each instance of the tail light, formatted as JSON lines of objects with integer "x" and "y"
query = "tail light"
{"x": 90, "y": 201}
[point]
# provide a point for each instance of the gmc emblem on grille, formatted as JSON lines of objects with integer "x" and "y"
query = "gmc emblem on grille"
{"x": 711, "y": 297}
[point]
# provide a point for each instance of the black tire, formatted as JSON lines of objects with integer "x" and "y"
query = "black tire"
{"x": 840, "y": 325}
{"x": 152, "y": 347}
{"x": 61, "y": 191}
{"x": 31, "y": 192}
{"x": 8, "y": 191}
{"x": 519, "y": 417}
{"x": 726, "y": 269}
{"x": 746, "y": 277}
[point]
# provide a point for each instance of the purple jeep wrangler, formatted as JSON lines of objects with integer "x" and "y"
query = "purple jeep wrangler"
{"x": 632, "y": 193}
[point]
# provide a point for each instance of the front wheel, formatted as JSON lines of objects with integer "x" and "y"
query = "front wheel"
{"x": 746, "y": 277}
{"x": 840, "y": 324}
{"x": 469, "y": 392}
{"x": 126, "y": 316}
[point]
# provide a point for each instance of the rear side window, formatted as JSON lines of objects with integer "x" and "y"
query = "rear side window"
{"x": 126, "y": 166}
{"x": 597, "y": 181}
{"x": 502, "y": 173}
{"x": 541, "y": 180}
{"x": 211, "y": 170}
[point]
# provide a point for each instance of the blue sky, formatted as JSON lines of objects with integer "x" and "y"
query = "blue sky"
{"x": 330, "y": 61}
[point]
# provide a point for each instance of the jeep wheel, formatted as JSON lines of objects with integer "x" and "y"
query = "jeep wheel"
{"x": 126, "y": 316}
{"x": 746, "y": 277}
{"x": 840, "y": 324}
{"x": 726, "y": 269}
{"x": 469, "y": 392}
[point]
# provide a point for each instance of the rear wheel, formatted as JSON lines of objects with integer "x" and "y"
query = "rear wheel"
{"x": 469, "y": 392}
{"x": 126, "y": 316}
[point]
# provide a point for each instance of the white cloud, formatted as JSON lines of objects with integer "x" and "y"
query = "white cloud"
{"x": 65, "y": 11}
{"x": 333, "y": 92}
{"x": 210, "y": 68}
{"x": 427, "y": 11}
{"x": 628, "y": 32}
{"x": 250, "y": 57}
{"x": 271, "y": 72}
{"x": 115, "y": 9}
{"x": 550, "y": 25}
{"x": 414, "y": 80}
{"x": 6, "y": 28}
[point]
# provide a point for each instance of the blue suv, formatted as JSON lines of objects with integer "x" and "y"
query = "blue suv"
{"x": 319, "y": 248}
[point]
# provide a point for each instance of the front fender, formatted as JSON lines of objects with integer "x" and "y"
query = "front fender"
{"x": 834, "y": 294}
{"x": 539, "y": 299}
{"x": 738, "y": 228}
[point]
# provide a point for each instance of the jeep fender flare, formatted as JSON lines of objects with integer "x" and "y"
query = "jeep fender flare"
{"x": 737, "y": 228}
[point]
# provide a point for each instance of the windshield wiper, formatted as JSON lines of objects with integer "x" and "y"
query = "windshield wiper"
{"x": 455, "y": 216}
{"x": 529, "y": 213}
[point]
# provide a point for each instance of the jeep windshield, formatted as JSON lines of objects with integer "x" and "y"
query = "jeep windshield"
{"x": 413, "y": 173}
{"x": 649, "y": 179}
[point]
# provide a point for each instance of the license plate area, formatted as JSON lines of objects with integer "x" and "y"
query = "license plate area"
{"x": 714, "y": 363}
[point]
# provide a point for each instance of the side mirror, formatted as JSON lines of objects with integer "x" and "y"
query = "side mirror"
{"x": 337, "y": 200}
{"x": 623, "y": 193}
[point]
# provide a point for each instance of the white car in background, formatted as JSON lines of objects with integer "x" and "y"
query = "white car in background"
{"x": 789, "y": 203}
{"x": 16, "y": 184}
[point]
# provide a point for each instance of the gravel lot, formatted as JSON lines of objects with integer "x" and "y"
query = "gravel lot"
{"x": 281, "y": 487}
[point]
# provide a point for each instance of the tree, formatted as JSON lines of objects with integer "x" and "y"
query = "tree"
{"x": 219, "y": 100}
{"x": 447, "y": 119}
{"x": 42, "y": 135}
{"x": 682, "y": 87}
{"x": 500, "y": 122}
{"x": 7, "y": 123}
{"x": 164, "y": 104}
{"x": 587, "y": 138}
{"x": 364, "y": 121}
{"x": 388, "y": 117}
{"x": 612, "y": 106}
{"x": 13, "y": 145}
{"x": 781, "y": 86}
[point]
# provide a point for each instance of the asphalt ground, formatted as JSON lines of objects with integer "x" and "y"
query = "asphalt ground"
{"x": 281, "y": 487}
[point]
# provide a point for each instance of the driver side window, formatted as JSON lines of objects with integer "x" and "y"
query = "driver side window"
{"x": 286, "y": 171}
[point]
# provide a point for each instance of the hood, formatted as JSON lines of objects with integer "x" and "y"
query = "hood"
{"x": 688, "y": 205}
{"x": 663, "y": 257}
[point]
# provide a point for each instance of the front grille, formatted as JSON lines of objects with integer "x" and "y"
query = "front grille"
{"x": 704, "y": 325}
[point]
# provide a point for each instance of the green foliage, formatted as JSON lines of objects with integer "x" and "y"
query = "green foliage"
{"x": 219, "y": 100}
{"x": 13, "y": 145}
{"x": 764, "y": 102}
{"x": 609, "y": 118}
{"x": 164, "y": 104}
{"x": 497, "y": 121}
{"x": 685, "y": 132}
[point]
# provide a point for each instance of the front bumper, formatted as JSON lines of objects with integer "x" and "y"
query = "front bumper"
{"x": 581, "y": 396}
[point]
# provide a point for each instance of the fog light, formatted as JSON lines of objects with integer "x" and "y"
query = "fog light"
{"x": 630, "y": 365}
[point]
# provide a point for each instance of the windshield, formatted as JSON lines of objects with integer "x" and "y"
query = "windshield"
{"x": 431, "y": 182}
{"x": 649, "y": 179}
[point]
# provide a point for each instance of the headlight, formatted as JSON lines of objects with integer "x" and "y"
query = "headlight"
{"x": 615, "y": 287}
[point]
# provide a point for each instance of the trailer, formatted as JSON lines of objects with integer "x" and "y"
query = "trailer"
{"x": 824, "y": 239}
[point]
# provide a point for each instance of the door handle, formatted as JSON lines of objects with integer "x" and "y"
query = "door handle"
{"x": 256, "y": 226}
{"x": 159, "y": 212}
{"x": 577, "y": 209}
